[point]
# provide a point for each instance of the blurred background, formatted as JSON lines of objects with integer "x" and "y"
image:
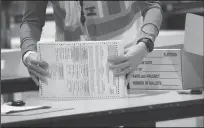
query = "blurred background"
{"x": 11, "y": 15}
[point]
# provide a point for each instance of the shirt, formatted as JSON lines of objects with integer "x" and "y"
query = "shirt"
{"x": 106, "y": 20}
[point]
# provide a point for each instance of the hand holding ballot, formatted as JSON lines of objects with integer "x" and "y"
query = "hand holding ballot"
{"x": 79, "y": 70}
{"x": 127, "y": 63}
{"x": 36, "y": 68}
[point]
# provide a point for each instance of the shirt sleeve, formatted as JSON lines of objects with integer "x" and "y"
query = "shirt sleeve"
{"x": 152, "y": 15}
{"x": 31, "y": 25}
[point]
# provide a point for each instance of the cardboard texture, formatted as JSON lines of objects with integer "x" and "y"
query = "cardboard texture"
{"x": 192, "y": 70}
{"x": 193, "y": 57}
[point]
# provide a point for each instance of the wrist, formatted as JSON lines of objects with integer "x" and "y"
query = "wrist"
{"x": 143, "y": 47}
{"x": 148, "y": 42}
{"x": 27, "y": 54}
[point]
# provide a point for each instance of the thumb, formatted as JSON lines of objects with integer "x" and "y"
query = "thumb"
{"x": 33, "y": 59}
{"x": 129, "y": 76}
{"x": 35, "y": 79}
{"x": 126, "y": 50}
{"x": 30, "y": 57}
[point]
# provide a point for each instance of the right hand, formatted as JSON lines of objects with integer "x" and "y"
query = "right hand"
{"x": 37, "y": 68}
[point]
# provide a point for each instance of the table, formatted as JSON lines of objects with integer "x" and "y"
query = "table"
{"x": 139, "y": 107}
{"x": 17, "y": 84}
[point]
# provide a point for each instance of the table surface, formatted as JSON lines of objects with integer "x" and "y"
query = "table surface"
{"x": 139, "y": 106}
{"x": 137, "y": 101}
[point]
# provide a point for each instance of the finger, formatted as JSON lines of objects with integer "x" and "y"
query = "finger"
{"x": 126, "y": 82}
{"x": 32, "y": 59}
{"x": 126, "y": 50}
{"x": 41, "y": 63}
{"x": 39, "y": 70}
{"x": 35, "y": 79}
{"x": 36, "y": 74}
{"x": 129, "y": 75}
{"x": 124, "y": 71}
{"x": 117, "y": 59}
{"x": 120, "y": 66}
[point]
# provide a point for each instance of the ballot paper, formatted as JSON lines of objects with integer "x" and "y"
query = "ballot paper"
{"x": 79, "y": 70}
{"x": 161, "y": 69}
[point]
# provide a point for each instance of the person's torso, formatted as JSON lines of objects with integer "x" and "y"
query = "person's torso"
{"x": 106, "y": 20}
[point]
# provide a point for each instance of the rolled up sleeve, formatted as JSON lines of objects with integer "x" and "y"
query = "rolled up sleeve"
{"x": 152, "y": 15}
{"x": 32, "y": 23}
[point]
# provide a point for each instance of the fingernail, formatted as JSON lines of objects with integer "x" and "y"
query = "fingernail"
{"x": 46, "y": 82}
{"x": 49, "y": 75}
{"x": 111, "y": 67}
{"x": 116, "y": 75}
{"x": 110, "y": 57}
{"x": 46, "y": 68}
{"x": 108, "y": 60}
{"x": 118, "y": 70}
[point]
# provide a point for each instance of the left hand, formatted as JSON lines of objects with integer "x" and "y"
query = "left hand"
{"x": 127, "y": 63}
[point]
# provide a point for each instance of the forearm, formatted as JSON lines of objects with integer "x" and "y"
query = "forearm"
{"x": 32, "y": 23}
{"x": 152, "y": 16}
{"x": 30, "y": 35}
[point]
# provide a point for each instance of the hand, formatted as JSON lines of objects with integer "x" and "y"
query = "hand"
{"x": 127, "y": 63}
{"x": 36, "y": 68}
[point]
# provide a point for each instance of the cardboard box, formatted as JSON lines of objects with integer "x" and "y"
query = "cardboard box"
{"x": 169, "y": 69}
{"x": 189, "y": 60}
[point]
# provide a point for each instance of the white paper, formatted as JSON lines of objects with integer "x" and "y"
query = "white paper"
{"x": 5, "y": 109}
{"x": 79, "y": 70}
{"x": 2, "y": 64}
{"x": 161, "y": 69}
